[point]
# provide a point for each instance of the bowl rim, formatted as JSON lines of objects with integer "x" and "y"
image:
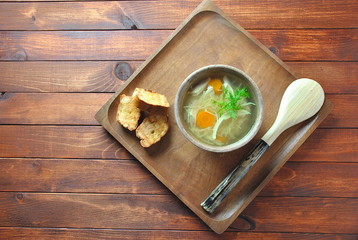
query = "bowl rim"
{"x": 235, "y": 145}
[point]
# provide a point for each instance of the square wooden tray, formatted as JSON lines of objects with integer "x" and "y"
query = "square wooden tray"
{"x": 207, "y": 37}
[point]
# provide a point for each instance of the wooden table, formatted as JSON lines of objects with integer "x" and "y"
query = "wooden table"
{"x": 63, "y": 176}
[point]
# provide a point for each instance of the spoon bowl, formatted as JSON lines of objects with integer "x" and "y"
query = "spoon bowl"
{"x": 302, "y": 99}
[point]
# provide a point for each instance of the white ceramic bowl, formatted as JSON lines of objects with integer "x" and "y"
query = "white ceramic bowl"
{"x": 203, "y": 74}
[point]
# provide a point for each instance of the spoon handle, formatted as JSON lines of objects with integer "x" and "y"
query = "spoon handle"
{"x": 231, "y": 180}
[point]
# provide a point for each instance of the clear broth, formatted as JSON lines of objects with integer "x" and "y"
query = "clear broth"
{"x": 228, "y": 130}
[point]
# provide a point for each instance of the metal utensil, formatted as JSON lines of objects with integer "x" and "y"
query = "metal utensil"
{"x": 302, "y": 99}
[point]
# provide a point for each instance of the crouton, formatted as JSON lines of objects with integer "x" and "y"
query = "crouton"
{"x": 152, "y": 129}
{"x": 128, "y": 113}
{"x": 151, "y": 101}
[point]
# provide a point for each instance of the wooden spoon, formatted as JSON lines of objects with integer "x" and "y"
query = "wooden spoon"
{"x": 302, "y": 99}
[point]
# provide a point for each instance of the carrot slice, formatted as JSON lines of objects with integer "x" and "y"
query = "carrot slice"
{"x": 217, "y": 84}
{"x": 221, "y": 139}
{"x": 204, "y": 119}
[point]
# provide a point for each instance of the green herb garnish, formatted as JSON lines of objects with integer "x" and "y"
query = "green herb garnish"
{"x": 231, "y": 101}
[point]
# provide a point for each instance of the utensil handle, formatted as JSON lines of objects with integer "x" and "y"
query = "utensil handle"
{"x": 231, "y": 180}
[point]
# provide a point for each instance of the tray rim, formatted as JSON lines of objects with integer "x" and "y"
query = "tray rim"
{"x": 209, "y": 6}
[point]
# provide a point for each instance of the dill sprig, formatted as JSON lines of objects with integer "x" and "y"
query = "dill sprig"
{"x": 231, "y": 101}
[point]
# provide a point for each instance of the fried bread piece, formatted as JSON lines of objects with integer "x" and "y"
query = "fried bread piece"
{"x": 128, "y": 113}
{"x": 151, "y": 101}
{"x": 152, "y": 129}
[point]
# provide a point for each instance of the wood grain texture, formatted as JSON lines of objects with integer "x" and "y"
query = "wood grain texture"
{"x": 272, "y": 214}
{"x": 128, "y": 176}
{"x": 333, "y": 145}
{"x": 80, "y": 108}
{"x": 151, "y": 15}
{"x": 79, "y": 45}
{"x": 303, "y": 214}
{"x": 70, "y": 76}
{"x": 320, "y": 179}
{"x": 307, "y": 44}
{"x": 78, "y": 175}
{"x": 99, "y": 76}
{"x": 335, "y": 77}
{"x": 95, "y": 211}
{"x": 94, "y": 234}
{"x": 59, "y": 142}
{"x": 56, "y": 108}
{"x": 58, "y": 168}
{"x": 336, "y": 145}
{"x": 340, "y": 115}
{"x": 295, "y": 44}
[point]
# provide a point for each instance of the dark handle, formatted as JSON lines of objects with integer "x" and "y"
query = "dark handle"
{"x": 231, "y": 180}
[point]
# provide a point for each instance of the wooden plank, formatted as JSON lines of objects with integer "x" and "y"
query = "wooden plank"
{"x": 303, "y": 214}
{"x": 314, "y": 179}
{"x": 329, "y": 145}
{"x": 100, "y": 76}
{"x": 96, "y": 211}
{"x": 79, "y": 15}
{"x": 67, "y": 76}
{"x": 56, "y": 108}
{"x": 337, "y": 44}
{"x": 95, "y": 176}
{"x": 80, "y": 108}
{"x": 95, "y": 234}
{"x": 274, "y": 214}
{"x": 169, "y": 14}
{"x": 112, "y": 176}
{"x": 335, "y": 77}
{"x": 342, "y": 115}
{"x": 333, "y": 145}
{"x": 297, "y": 44}
{"x": 59, "y": 142}
{"x": 79, "y": 45}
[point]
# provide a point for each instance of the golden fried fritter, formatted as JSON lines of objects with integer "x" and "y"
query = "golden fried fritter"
{"x": 152, "y": 129}
{"x": 128, "y": 113}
